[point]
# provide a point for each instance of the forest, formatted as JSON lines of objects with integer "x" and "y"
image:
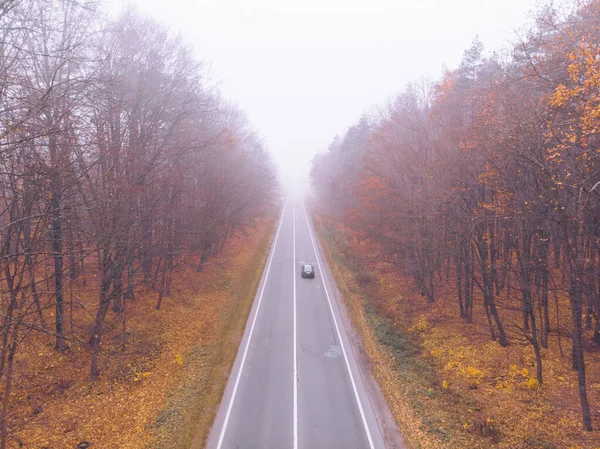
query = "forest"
{"x": 485, "y": 183}
{"x": 120, "y": 163}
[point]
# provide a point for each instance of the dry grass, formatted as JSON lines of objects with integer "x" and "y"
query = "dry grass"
{"x": 163, "y": 390}
{"x": 448, "y": 385}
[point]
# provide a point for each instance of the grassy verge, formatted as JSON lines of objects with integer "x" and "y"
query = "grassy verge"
{"x": 187, "y": 417}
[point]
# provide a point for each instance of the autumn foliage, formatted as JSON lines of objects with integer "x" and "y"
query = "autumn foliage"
{"x": 484, "y": 189}
{"x": 120, "y": 166}
{"x": 163, "y": 390}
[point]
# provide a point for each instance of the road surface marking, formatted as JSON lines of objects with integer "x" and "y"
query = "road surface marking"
{"x": 295, "y": 354}
{"x": 360, "y": 407}
{"x": 237, "y": 380}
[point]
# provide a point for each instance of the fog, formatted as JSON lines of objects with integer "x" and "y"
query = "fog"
{"x": 305, "y": 71}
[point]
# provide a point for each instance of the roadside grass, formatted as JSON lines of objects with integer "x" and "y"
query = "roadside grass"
{"x": 163, "y": 389}
{"x": 446, "y": 383}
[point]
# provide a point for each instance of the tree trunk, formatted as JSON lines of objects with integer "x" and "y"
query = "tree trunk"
{"x": 487, "y": 289}
{"x": 575, "y": 263}
{"x": 96, "y": 337}
{"x": 459, "y": 271}
{"x": 7, "y": 392}
{"x": 468, "y": 257}
{"x": 576, "y": 296}
{"x": 596, "y": 336}
{"x": 118, "y": 301}
{"x": 72, "y": 251}
{"x": 61, "y": 343}
{"x": 129, "y": 291}
{"x": 544, "y": 300}
{"x": 162, "y": 286}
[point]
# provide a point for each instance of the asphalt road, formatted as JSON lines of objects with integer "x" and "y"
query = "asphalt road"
{"x": 295, "y": 382}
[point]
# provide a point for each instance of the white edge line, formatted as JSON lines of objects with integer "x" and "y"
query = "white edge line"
{"x": 237, "y": 380}
{"x": 360, "y": 407}
{"x": 295, "y": 340}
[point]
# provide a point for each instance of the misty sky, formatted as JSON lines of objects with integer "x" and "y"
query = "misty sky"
{"x": 306, "y": 70}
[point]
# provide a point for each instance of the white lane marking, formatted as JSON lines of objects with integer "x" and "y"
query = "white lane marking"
{"x": 360, "y": 407}
{"x": 237, "y": 380}
{"x": 295, "y": 355}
